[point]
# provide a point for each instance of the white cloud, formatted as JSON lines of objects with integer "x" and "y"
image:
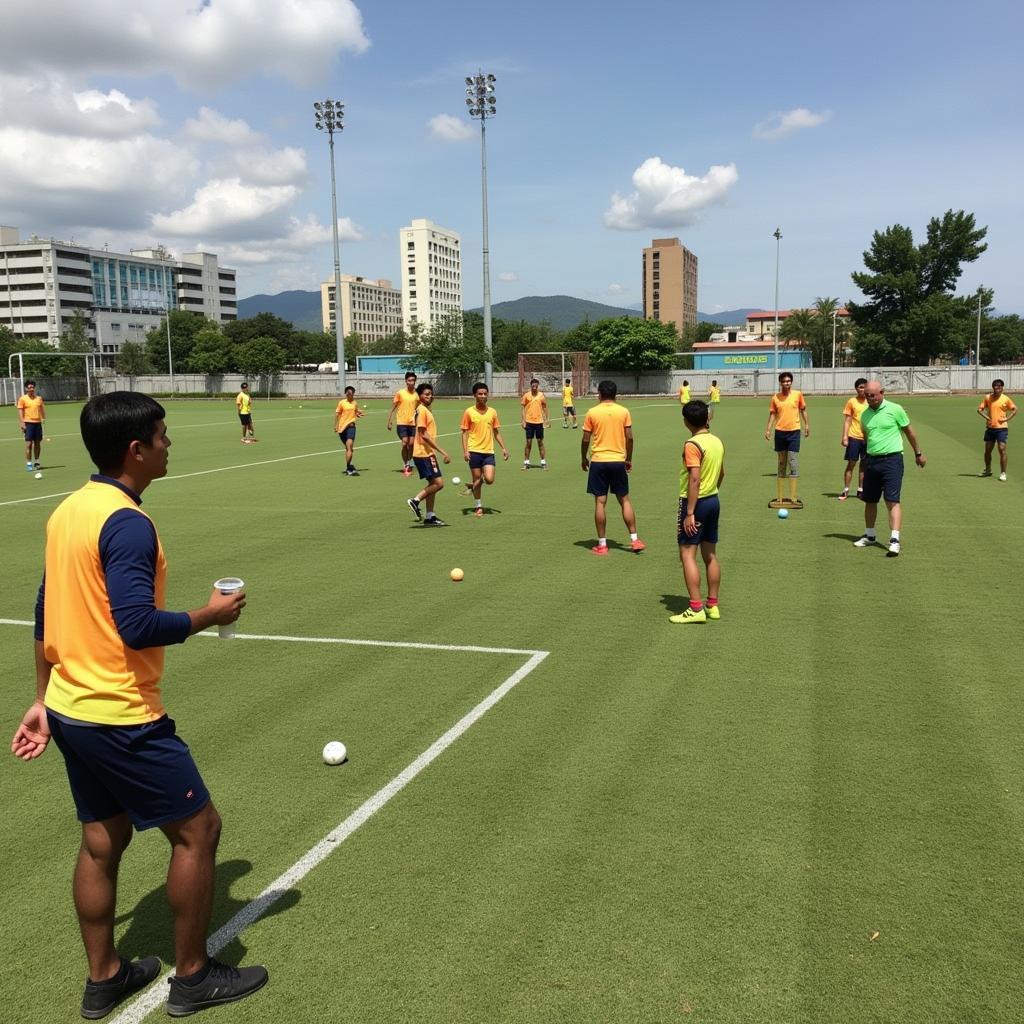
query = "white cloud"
{"x": 212, "y": 126}
{"x": 668, "y": 197}
{"x": 446, "y": 128}
{"x": 200, "y": 44}
{"x": 508, "y": 276}
{"x": 229, "y": 208}
{"x": 292, "y": 244}
{"x": 784, "y": 123}
{"x": 615, "y": 289}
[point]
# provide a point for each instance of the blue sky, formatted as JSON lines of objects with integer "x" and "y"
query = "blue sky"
{"x": 185, "y": 124}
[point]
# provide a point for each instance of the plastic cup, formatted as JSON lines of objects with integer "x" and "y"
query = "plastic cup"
{"x": 228, "y": 585}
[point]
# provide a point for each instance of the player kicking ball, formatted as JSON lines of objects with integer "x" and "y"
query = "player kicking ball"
{"x": 424, "y": 446}
{"x": 480, "y": 429}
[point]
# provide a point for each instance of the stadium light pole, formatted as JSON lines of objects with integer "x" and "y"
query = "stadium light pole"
{"x": 329, "y": 115}
{"x": 480, "y": 100}
{"x": 170, "y": 358}
{"x": 777, "y": 235}
{"x": 977, "y": 345}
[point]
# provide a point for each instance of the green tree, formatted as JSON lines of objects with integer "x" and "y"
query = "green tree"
{"x": 314, "y": 347}
{"x": 262, "y": 325}
{"x": 11, "y": 343}
{"x": 131, "y": 361}
{"x": 910, "y": 315}
{"x": 74, "y": 339}
{"x": 393, "y": 344}
{"x": 803, "y": 326}
{"x": 353, "y": 347}
{"x": 698, "y": 333}
{"x": 212, "y": 352}
{"x": 260, "y": 357}
{"x": 445, "y": 349}
{"x": 184, "y": 328}
{"x": 1002, "y": 339}
{"x": 630, "y": 343}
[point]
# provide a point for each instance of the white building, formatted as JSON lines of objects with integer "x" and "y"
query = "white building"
{"x": 373, "y": 309}
{"x": 431, "y": 262}
{"x": 44, "y": 282}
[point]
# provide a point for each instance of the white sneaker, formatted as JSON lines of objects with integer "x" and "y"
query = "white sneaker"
{"x": 865, "y": 542}
{"x": 894, "y": 548}
{"x": 1002, "y": 476}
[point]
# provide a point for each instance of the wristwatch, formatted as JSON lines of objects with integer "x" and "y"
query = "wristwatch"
{"x": 918, "y": 455}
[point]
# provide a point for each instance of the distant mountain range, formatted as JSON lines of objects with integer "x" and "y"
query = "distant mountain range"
{"x": 561, "y": 311}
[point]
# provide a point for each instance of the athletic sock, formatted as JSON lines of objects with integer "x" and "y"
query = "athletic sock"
{"x": 846, "y": 490}
{"x": 602, "y": 542}
{"x": 712, "y": 602}
{"x": 870, "y": 534}
{"x": 633, "y": 536}
{"x": 479, "y": 503}
{"x": 526, "y": 462}
{"x": 696, "y": 606}
{"x": 895, "y": 535}
{"x": 543, "y": 462}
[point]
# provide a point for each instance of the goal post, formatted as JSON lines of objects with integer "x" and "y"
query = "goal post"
{"x": 553, "y": 368}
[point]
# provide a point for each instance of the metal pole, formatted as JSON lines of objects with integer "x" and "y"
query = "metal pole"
{"x": 778, "y": 238}
{"x": 339, "y": 334}
{"x": 834, "y": 351}
{"x": 977, "y": 345}
{"x": 170, "y": 357}
{"x": 488, "y": 369}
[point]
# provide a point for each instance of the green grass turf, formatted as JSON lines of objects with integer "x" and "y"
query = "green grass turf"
{"x": 660, "y": 823}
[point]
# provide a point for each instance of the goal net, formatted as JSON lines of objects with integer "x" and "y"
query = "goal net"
{"x": 552, "y": 369}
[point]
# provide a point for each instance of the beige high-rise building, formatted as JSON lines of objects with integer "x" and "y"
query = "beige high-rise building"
{"x": 670, "y": 283}
{"x": 431, "y": 261}
{"x": 373, "y": 309}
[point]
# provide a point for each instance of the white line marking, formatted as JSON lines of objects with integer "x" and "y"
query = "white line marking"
{"x": 155, "y": 996}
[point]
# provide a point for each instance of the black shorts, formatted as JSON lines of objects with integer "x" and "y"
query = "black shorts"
{"x": 477, "y": 460}
{"x": 534, "y": 430}
{"x": 883, "y": 477}
{"x": 245, "y": 418}
{"x": 406, "y": 431}
{"x": 706, "y": 515}
{"x": 144, "y": 771}
{"x": 348, "y": 434}
{"x": 33, "y": 431}
{"x": 568, "y": 410}
{"x": 428, "y": 467}
{"x": 787, "y": 440}
{"x": 608, "y": 476}
{"x": 993, "y": 435}
{"x": 856, "y": 449}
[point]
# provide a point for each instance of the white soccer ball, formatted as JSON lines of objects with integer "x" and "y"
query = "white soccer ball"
{"x": 39, "y": 476}
{"x": 335, "y": 752}
{"x": 456, "y": 480}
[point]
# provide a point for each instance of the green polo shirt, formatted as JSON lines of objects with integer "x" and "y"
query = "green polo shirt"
{"x": 883, "y": 427}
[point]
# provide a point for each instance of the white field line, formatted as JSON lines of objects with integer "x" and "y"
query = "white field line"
{"x": 155, "y": 996}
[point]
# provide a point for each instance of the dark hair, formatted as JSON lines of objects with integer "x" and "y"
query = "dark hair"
{"x": 110, "y": 423}
{"x": 28, "y": 382}
{"x": 686, "y": 383}
{"x": 534, "y": 381}
{"x": 425, "y": 386}
{"x": 714, "y": 383}
{"x": 245, "y": 384}
{"x": 350, "y": 388}
{"x": 607, "y": 389}
{"x": 410, "y": 374}
{"x": 478, "y": 385}
{"x": 696, "y": 413}
{"x": 998, "y": 380}
{"x": 785, "y": 374}
{"x": 860, "y": 380}
{"x": 567, "y": 381}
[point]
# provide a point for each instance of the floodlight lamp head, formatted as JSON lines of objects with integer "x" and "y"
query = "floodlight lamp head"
{"x": 469, "y": 81}
{"x": 318, "y": 105}
{"x": 469, "y": 102}
{"x": 491, "y": 78}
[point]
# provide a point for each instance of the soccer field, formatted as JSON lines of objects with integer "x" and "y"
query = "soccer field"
{"x": 811, "y": 810}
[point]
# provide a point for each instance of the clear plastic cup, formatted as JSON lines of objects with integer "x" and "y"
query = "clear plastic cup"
{"x": 228, "y": 585}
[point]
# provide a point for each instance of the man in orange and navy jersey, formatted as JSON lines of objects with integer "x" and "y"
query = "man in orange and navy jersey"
{"x": 345, "y": 416}
{"x": 480, "y": 429}
{"x": 997, "y": 409}
{"x": 535, "y": 419}
{"x": 426, "y": 461}
{"x": 404, "y": 404}
{"x": 31, "y": 414}
{"x": 852, "y": 440}
{"x": 785, "y": 411}
{"x": 609, "y": 427}
{"x": 100, "y": 635}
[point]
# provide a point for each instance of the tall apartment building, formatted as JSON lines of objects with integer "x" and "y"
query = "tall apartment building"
{"x": 44, "y": 282}
{"x": 431, "y": 262}
{"x": 373, "y": 309}
{"x": 670, "y": 283}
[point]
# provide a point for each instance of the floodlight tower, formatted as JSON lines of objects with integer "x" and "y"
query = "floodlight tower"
{"x": 777, "y": 235}
{"x": 329, "y": 116}
{"x": 480, "y": 100}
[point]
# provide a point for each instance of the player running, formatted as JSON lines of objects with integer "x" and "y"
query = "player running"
{"x": 702, "y": 475}
{"x": 345, "y": 417}
{"x": 535, "y": 419}
{"x": 785, "y": 411}
{"x": 853, "y": 439}
{"x": 424, "y": 458}
{"x": 31, "y": 416}
{"x": 568, "y": 406}
{"x": 480, "y": 429}
{"x": 243, "y": 402}
{"x": 404, "y": 404}
{"x": 997, "y": 408}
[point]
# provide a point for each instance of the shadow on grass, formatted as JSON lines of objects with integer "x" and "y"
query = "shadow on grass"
{"x": 675, "y": 604}
{"x": 487, "y": 511}
{"x": 851, "y": 537}
{"x": 613, "y": 545}
{"x": 150, "y": 929}
{"x": 976, "y": 476}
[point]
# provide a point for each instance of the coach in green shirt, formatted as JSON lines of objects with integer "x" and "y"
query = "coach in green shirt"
{"x": 884, "y": 425}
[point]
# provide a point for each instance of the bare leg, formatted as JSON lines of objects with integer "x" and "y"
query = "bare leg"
{"x": 349, "y": 448}
{"x": 895, "y": 514}
{"x": 712, "y": 569}
{"x": 95, "y": 891}
{"x": 190, "y": 884}
{"x": 628, "y": 515}
{"x": 691, "y": 574}
{"x": 988, "y": 456}
{"x": 477, "y": 485}
{"x": 847, "y": 476}
{"x": 1002, "y": 456}
{"x": 601, "y": 515}
{"x": 540, "y": 448}
{"x": 870, "y": 515}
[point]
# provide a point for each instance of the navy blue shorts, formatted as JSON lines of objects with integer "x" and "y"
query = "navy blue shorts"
{"x": 428, "y": 467}
{"x": 883, "y": 477}
{"x": 245, "y": 418}
{"x": 34, "y": 432}
{"x": 568, "y": 410}
{"x": 856, "y": 449}
{"x": 406, "y": 430}
{"x": 992, "y": 434}
{"x": 787, "y": 440}
{"x": 534, "y": 430}
{"x": 477, "y": 460}
{"x": 608, "y": 476}
{"x": 706, "y": 514}
{"x": 144, "y": 771}
{"x": 348, "y": 434}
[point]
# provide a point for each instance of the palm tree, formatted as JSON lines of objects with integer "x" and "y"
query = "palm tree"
{"x": 800, "y": 326}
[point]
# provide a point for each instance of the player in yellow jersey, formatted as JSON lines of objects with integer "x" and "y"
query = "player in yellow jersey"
{"x": 243, "y": 402}
{"x": 853, "y": 438}
{"x": 997, "y": 409}
{"x": 606, "y": 454}
{"x": 535, "y": 419}
{"x": 345, "y": 416}
{"x": 404, "y": 405}
{"x": 699, "y": 509}
{"x": 480, "y": 429}
{"x": 684, "y": 393}
{"x": 31, "y": 416}
{"x": 100, "y": 635}
{"x": 425, "y": 459}
{"x": 785, "y": 411}
{"x": 568, "y": 405}
{"x": 714, "y": 399}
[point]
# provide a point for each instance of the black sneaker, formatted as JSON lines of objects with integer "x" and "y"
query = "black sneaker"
{"x": 434, "y": 521}
{"x": 415, "y": 506}
{"x": 222, "y": 984}
{"x": 352, "y": 472}
{"x": 100, "y": 997}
